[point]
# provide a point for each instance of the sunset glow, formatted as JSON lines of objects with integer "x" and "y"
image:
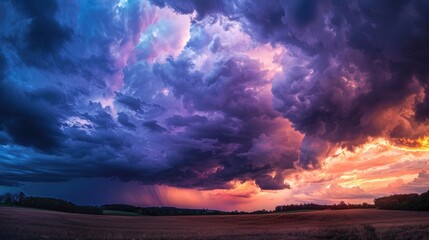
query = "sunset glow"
{"x": 229, "y": 104}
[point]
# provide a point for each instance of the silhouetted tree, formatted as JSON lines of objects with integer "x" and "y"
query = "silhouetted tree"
{"x": 21, "y": 197}
{"x": 9, "y": 199}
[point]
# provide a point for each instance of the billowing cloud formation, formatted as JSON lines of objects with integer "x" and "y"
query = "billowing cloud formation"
{"x": 132, "y": 91}
{"x": 209, "y": 94}
{"x": 357, "y": 70}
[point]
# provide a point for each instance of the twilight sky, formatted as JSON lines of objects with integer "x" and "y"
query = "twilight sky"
{"x": 225, "y": 104}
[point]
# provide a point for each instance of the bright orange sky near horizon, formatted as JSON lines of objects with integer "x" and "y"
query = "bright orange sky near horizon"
{"x": 218, "y": 104}
{"x": 376, "y": 169}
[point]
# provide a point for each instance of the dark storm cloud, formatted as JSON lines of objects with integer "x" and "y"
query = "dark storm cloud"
{"x": 43, "y": 8}
{"x": 270, "y": 21}
{"x": 203, "y": 150}
{"x": 355, "y": 62}
{"x": 182, "y": 121}
{"x": 4, "y": 138}
{"x": 218, "y": 147}
{"x": 26, "y": 122}
{"x": 90, "y": 107}
{"x": 202, "y": 8}
{"x": 101, "y": 119}
{"x": 3, "y": 66}
{"x": 153, "y": 126}
{"x": 269, "y": 183}
{"x": 51, "y": 126}
{"x": 130, "y": 102}
{"x": 123, "y": 119}
{"x": 45, "y": 34}
{"x": 348, "y": 101}
{"x": 221, "y": 89}
{"x": 52, "y": 96}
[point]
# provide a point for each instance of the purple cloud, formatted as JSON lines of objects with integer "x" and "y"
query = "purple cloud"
{"x": 167, "y": 92}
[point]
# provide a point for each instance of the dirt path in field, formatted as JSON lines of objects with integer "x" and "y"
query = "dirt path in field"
{"x": 22, "y": 223}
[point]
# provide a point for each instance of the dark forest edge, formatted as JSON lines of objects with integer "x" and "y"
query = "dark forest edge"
{"x": 414, "y": 202}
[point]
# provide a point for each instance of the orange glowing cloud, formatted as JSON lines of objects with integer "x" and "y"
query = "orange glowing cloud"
{"x": 375, "y": 169}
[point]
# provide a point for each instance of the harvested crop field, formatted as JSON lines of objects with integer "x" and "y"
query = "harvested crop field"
{"x": 22, "y": 223}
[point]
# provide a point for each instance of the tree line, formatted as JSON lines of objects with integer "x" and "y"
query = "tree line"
{"x": 160, "y": 211}
{"x": 21, "y": 200}
{"x": 313, "y": 206}
{"x": 414, "y": 202}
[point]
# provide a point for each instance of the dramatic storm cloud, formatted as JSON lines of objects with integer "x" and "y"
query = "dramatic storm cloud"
{"x": 215, "y": 99}
{"x": 356, "y": 69}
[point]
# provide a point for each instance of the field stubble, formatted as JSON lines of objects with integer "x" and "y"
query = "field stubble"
{"x": 22, "y": 223}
